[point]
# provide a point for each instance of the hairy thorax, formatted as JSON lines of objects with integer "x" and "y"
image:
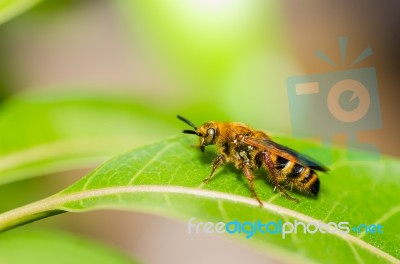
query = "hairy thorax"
{"x": 237, "y": 152}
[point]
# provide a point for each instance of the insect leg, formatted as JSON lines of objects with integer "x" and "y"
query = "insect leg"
{"x": 250, "y": 178}
{"x": 271, "y": 168}
{"x": 217, "y": 162}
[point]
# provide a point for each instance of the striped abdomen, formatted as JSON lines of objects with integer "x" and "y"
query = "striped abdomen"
{"x": 301, "y": 177}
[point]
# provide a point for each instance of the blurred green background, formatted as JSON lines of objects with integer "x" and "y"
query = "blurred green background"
{"x": 81, "y": 81}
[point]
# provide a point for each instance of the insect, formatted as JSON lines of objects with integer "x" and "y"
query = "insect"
{"x": 250, "y": 149}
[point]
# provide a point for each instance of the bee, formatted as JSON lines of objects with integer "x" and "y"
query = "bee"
{"x": 250, "y": 149}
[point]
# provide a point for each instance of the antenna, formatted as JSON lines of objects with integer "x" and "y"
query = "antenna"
{"x": 187, "y": 121}
{"x": 193, "y": 132}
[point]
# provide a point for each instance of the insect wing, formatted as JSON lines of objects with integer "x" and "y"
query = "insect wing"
{"x": 284, "y": 152}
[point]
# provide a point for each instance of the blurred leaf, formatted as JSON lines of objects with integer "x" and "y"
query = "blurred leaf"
{"x": 166, "y": 179}
{"x": 12, "y": 8}
{"x": 205, "y": 42}
{"x": 42, "y": 247}
{"x": 231, "y": 55}
{"x": 42, "y": 133}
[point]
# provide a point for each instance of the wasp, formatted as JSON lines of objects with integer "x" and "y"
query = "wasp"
{"x": 250, "y": 149}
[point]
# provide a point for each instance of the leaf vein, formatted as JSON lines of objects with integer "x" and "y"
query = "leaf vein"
{"x": 57, "y": 202}
{"x": 148, "y": 163}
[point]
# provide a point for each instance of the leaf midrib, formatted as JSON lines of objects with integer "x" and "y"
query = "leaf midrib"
{"x": 56, "y": 202}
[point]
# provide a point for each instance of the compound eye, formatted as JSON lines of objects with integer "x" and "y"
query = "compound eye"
{"x": 209, "y": 138}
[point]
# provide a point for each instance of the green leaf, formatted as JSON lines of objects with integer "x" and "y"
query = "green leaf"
{"x": 217, "y": 50}
{"x": 166, "y": 179}
{"x": 12, "y": 8}
{"x": 42, "y": 247}
{"x": 45, "y": 132}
